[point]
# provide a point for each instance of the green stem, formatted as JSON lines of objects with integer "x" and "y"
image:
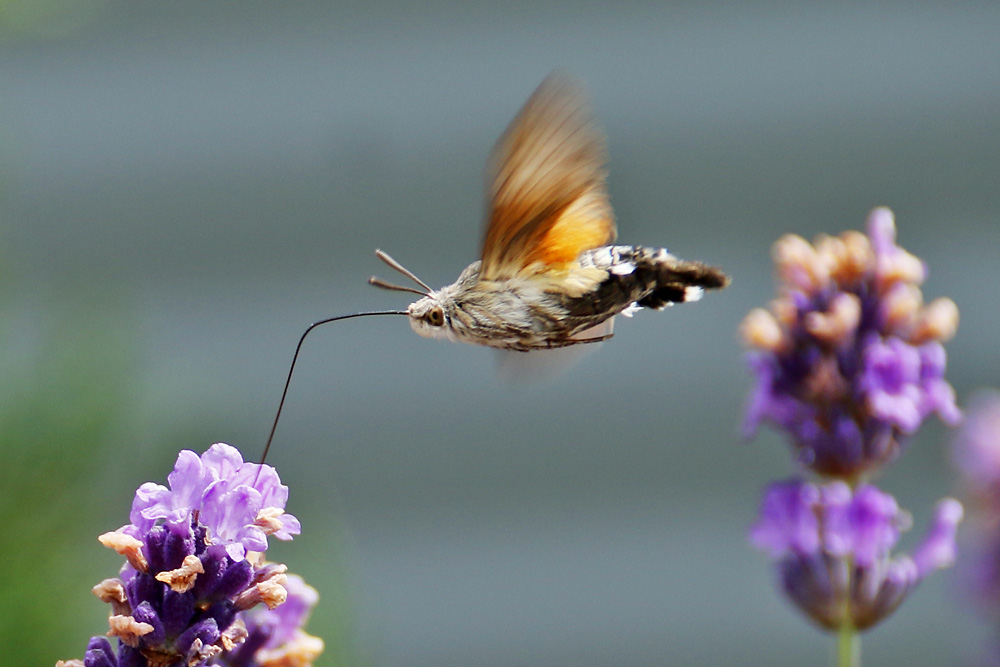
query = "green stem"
{"x": 848, "y": 646}
{"x": 848, "y": 639}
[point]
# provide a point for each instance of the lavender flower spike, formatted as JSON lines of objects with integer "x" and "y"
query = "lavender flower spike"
{"x": 832, "y": 549}
{"x": 849, "y": 361}
{"x": 195, "y": 568}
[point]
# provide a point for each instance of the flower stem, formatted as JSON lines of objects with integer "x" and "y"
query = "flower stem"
{"x": 848, "y": 646}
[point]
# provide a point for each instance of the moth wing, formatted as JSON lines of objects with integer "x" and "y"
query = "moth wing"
{"x": 547, "y": 199}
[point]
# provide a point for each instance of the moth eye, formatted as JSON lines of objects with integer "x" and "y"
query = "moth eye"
{"x": 435, "y": 316}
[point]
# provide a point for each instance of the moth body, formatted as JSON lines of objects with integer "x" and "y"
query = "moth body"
{"x": 549, "y": 310}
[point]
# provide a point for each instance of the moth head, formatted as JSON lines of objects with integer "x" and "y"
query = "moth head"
{"x": 427, "y": 315}
{"x": 431, "y": 316}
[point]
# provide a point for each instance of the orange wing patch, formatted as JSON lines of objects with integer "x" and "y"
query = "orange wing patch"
{"x": 586, "y": 223}
{"x": 547, "y": 197}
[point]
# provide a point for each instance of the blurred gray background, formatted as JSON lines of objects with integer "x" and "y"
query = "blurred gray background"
{"x": 192, "y": 183}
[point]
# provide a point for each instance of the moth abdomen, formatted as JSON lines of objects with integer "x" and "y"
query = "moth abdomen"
{"x": 650, "y": 277}
{"x": 679, "y": 280}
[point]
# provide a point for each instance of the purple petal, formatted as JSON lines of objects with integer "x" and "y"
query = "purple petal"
{"x": 890, "y": 380}
{"x": 933, "y": 360}
{"x": 258, "y": 634}
{"x": 938, "y": 548}
{"x": 222, "y": 461}
{"x": 187, "y": 480}
{"x": 761, "y": 395}
{"x": 290, "y": 527}
{"x": 787, "y": 520}
{"x": 901, "y": 409}
{"x": 767, "y": 402}
{"x": 294, "y": 612}
{"x": 152, "y": 501}
{"x": 98, "y": 658}
{"x": 264, "y": 479}
{"x": 273, "y": 492}
{"x": 236, "y": 550}
{"x": 226, "y": 512}
{"x": 875, "y": 522}
{"x": 279, "y": 625}
{"x": 838, "y": 530}
{"x": 252, "y": 537}
{"x": 938, "y": 395}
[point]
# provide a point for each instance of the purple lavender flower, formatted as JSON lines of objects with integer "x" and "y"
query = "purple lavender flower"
{"x": 238, "y": 503}
{"x": 849, "y": 361}
{"x": 195, "y": 570}
{"x": 976, "y": 452}
{"x": 832, "y": 547}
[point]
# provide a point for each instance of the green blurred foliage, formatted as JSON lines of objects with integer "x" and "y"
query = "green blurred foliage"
{"x": 68, "y": 409}
{"x": 65, "y": 409}
{"x": 47, "y": 18}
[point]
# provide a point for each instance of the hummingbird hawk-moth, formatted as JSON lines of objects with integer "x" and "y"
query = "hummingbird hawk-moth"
{"x": 549, "y": 275}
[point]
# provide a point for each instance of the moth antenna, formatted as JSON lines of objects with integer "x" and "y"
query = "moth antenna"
{"x": 378, "y": 282}
{"x": 402, "y": 269}
{"x": 295, "y": 357}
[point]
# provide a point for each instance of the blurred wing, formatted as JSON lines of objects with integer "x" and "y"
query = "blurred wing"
{"x": 545, "y": 184}
{"x": 539, "y": 365}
